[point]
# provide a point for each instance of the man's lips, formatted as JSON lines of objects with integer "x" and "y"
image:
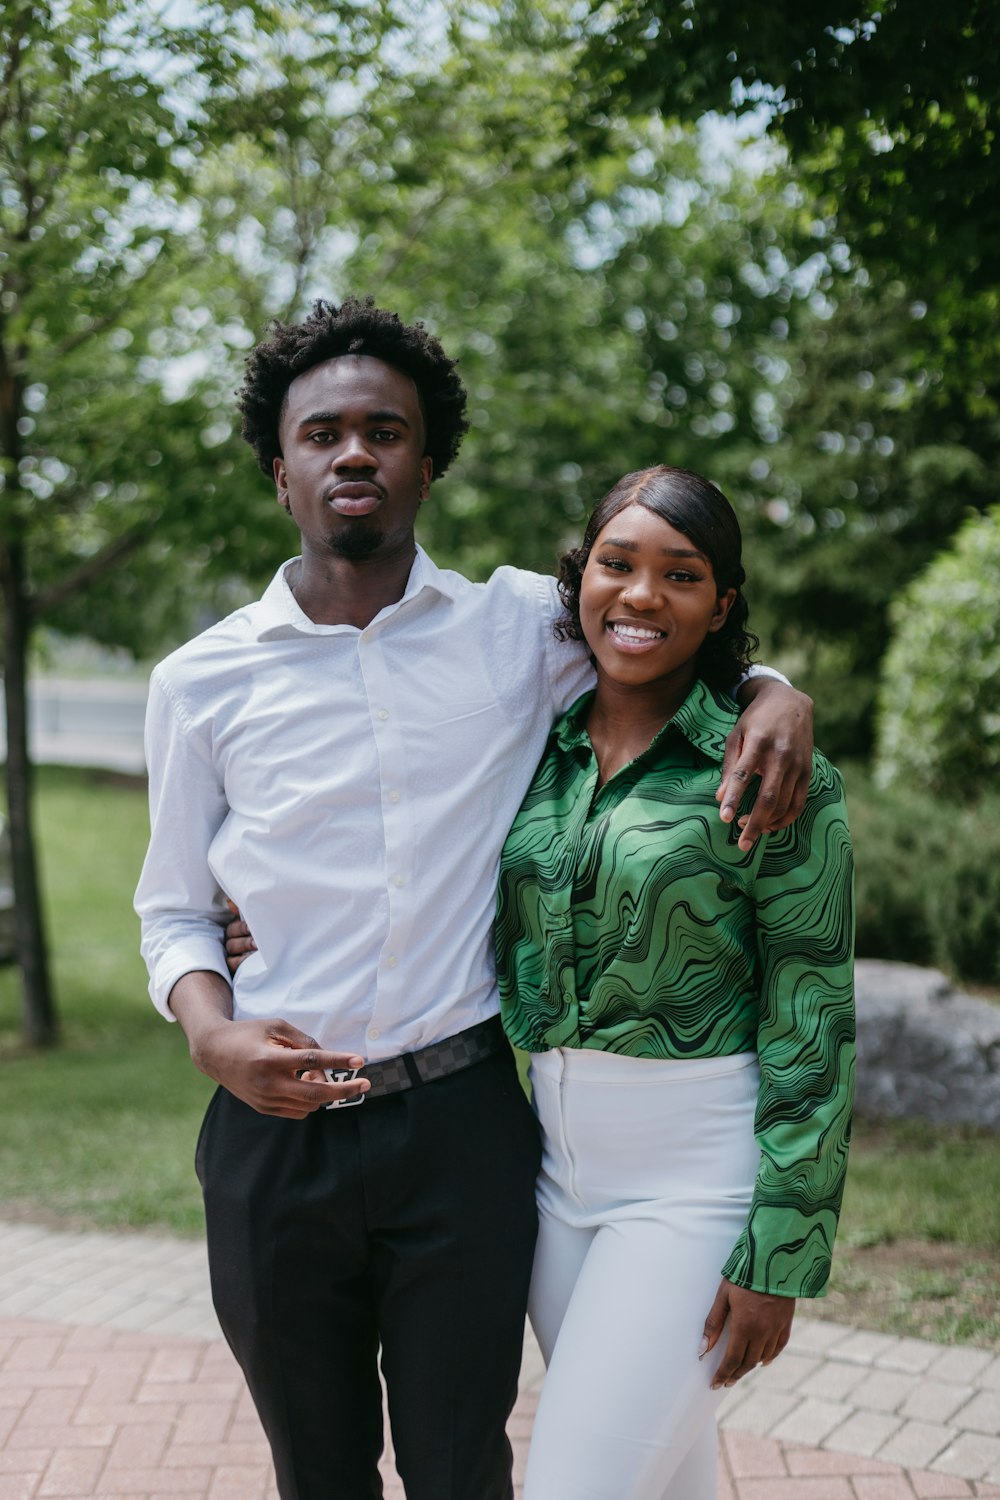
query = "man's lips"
{"x": 356, "y": 498}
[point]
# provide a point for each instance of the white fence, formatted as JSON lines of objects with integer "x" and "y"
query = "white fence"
{"x": 85, "y": 722}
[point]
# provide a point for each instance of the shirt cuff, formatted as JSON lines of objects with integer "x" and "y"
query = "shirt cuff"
{"x": 193, "y": 955}
{"x": 758, "y": 670}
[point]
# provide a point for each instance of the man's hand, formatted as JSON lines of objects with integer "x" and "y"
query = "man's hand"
{"x": 759, "y": 1328}
{"x": 239, "y": 940}
{"x": 261, "y": 1062}
{"x": 773, "y": 739}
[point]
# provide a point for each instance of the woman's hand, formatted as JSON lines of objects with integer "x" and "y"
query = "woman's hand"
{"x": 239, "y": 940}
{"x": 759, "y": 1328}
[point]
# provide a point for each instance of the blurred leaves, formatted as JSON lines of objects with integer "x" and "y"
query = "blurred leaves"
{"x": 621, "y": 288}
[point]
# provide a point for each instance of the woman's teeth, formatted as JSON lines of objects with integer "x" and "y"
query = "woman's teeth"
{"x": 635, "y": 632}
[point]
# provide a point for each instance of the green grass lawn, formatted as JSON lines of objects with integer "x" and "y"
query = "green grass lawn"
{"x": 101, "y": 1130}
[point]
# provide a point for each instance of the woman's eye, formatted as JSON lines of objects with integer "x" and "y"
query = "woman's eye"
{"x": 618, "y": 564}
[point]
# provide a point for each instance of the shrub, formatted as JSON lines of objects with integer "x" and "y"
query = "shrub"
{"x": 939, "y": 701}
{"x": 928, "y": 879}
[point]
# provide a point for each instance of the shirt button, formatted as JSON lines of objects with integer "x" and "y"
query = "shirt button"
{"x": 373, "y": 1033}
{"x": 567, "y": 997}
{"x": 383, "y": 713}
{"x": 392, "y": 961}
{"x": 393, "y": 796}
{"x": 398, "y": 880}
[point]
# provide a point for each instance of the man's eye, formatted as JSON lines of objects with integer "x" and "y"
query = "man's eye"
{"x": 386, "y": 434}
{"x": 321, "y": 437}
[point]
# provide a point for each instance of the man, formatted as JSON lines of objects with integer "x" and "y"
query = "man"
{"x": 344, "y": 758}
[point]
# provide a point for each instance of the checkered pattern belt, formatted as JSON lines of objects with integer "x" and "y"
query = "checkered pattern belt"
{"x": 473, "y": 1045}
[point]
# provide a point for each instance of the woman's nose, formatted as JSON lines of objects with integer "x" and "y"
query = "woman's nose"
{"x": 641, "y": 593}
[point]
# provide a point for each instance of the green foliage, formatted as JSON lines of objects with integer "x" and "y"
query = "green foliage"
{"x": 939, "y": 719}
{"x": 871, "y": 469}
{"x": 928, "y": 878}
{"x": 891, "y": 107}
{"x": 889, "y": 415}
{"x": 618, "y": 295}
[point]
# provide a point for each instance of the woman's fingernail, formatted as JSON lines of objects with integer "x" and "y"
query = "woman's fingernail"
{"x": 703, "y": 1350}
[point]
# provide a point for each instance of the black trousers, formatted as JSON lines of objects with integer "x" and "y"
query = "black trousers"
{"x": 406, "y": 1223}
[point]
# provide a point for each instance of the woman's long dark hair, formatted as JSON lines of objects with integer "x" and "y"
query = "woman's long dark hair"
{"x": 700, "y": 510}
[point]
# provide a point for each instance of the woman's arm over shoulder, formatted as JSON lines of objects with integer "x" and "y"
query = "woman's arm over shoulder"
{"x": 805, "y": 939}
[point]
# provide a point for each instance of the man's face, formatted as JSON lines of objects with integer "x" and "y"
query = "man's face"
{"x": 353, "y": 469}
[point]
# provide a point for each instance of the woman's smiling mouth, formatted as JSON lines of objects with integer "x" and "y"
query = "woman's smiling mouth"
{"x": 634, "y": 637}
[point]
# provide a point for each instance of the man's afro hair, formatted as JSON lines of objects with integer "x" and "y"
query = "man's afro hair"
{"x": 356, "y": 327}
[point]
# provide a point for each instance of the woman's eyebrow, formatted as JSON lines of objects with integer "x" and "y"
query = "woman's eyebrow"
{"x": 624, "y": 545}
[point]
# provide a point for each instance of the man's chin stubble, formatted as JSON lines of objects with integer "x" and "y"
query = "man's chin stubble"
{"x": 356, "y": 542}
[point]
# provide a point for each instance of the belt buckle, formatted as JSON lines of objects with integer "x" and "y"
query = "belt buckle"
{"x": 342, "y": 1075}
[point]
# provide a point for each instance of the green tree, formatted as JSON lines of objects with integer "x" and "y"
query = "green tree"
{"x": 890, "y": 418}
{"x": 870, "y": 472}
{"x": 891, "y": 106}
{"x": 107, "y": 111}
{"x": 165, "y": 189}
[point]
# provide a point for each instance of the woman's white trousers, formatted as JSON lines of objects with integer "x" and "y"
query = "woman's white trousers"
{"x": 647, "y": 1174}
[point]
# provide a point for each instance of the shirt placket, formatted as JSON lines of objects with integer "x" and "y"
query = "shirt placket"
{"x": 562, "y": 944}
{"x": 398, "y": 833}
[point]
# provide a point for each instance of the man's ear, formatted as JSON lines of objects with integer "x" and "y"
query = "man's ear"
{"x": 426, "y": 475}
{"x": 281, "y": 484}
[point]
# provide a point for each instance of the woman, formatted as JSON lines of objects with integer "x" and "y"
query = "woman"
{"x": 688, "y": 1007}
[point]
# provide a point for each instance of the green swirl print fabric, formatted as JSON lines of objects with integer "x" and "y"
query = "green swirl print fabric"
{"x": 629, "y": 920}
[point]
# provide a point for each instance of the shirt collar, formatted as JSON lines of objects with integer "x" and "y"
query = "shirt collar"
{"x": 704, "y": 719}
{"x": 279, "y": 616}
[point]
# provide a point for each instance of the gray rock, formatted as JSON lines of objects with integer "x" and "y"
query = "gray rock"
{"x": 925, "y": 1050}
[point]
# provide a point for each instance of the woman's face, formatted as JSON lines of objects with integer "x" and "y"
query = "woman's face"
{"x": 648, "y": 599}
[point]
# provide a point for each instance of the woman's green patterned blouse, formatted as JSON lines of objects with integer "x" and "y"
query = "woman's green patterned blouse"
{"x": 629, "y": 920}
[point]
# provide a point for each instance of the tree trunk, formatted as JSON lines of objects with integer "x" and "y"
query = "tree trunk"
{"x": 39, "y": 1024}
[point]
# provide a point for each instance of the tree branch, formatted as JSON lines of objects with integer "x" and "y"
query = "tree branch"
{"x": 88, "y": 571}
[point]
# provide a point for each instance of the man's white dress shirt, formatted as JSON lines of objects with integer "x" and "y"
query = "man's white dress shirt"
{"x": 350, "y": 790}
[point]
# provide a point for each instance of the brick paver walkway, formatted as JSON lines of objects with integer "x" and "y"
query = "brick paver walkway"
{"x": 115, "y": 1385}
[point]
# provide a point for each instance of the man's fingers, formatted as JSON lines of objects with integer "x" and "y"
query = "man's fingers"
{"x": 293, "y": 1083}
{"x": 761, "y": 818}
{"x": 797, "y": 800}
{"x": 780, "y": 797}
{"x": 735, "y": 777}
{"x": 318, "y": 1095}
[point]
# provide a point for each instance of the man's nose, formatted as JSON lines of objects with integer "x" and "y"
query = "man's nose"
{"x": 353, "y": 453}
